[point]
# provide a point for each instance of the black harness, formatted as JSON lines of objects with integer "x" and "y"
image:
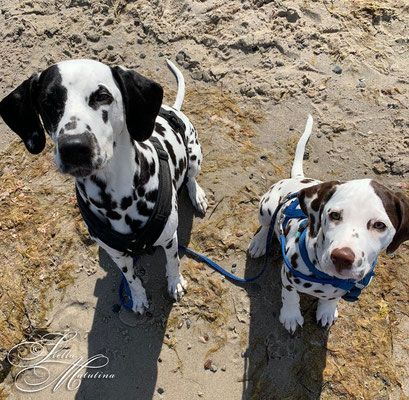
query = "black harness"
{"x": 142, "y": 241}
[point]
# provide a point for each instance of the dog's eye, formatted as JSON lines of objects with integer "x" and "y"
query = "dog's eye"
{"x": 102, "y": 97}
{"x": 335, "y": 216}
{"x": 380, "y": 226}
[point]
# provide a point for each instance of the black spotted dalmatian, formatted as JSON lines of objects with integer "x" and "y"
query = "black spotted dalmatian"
{"x": 101, "y": 119}
{"x": 350, "y": 223}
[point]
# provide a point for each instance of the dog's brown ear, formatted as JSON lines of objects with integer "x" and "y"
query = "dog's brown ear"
{"x": 142, "y": 99}
{"x": 313, "y": 199}
{"x": 396, "y": 205}
{"x": 19, "y": 112}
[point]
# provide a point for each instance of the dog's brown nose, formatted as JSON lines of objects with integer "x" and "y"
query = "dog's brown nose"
{"x": 342, "y": 258}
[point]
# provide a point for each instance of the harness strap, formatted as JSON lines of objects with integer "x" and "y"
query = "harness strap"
{"x": 175, "y": 122}
{"x": 142, "y": 241}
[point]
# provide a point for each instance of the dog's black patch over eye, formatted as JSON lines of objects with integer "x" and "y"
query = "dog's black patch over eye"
{"x": 52, "y": 98}
{"x": 100, "y": 97}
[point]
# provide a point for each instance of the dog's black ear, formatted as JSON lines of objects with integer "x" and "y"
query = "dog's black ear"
{"x": 396, "y": 205}
{"x": 142, "y": 99}
{"x": 19, "y": 112}
{"x": 312, "y": 201}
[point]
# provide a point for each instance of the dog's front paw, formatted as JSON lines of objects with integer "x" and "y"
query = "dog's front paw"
{"x": 290, "y": 317}
{"x": 257, "y": 246}
{"x": 327, "y": 312}
{"x": 139, "y": 300}
{"x": 198, "y": 196}
{"x": 177, "y": 286}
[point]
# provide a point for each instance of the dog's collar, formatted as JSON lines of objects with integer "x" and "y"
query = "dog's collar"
{"x": 352, "y": 287}
{"x": 143, "y": 240}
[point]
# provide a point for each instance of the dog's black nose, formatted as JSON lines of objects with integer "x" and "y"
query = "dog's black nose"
{"x": 342, "y": 258}
{"x": 75, "y": 150}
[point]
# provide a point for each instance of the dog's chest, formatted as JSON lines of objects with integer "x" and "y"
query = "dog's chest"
{"x": 322, "y": 291}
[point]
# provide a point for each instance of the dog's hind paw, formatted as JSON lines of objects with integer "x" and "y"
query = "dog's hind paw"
{"x": 177, "y": 287}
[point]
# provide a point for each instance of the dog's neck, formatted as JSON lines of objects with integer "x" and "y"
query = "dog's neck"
{"x": 122, "y": 171}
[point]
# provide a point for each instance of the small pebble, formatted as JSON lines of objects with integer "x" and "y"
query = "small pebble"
{"x": 180, "y": 324}
{"x": 251, "y": 176}
{"x": 142, "y": 55}
{"x": 208, "y": 364}
{"x": 200, "y": 394}
{"x": 189, "y": 346}
{"x": 223, "y": 368}
{"x": 337, "y": 69}
{"x": 160, "y": 390}
{"x": 188, "y": 323}
{"x": 264, "y": 158}
{"x": 213, "y": 368}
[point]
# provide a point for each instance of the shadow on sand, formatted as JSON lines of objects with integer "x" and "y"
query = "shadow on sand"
{"x": 132, "y": 343}
{"x": 279, "y": 365}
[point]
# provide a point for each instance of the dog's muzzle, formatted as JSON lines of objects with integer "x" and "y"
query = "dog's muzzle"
{"x": 76, "y": 153}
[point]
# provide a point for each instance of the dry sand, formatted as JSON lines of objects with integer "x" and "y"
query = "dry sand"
{"x": 254, "y": 70}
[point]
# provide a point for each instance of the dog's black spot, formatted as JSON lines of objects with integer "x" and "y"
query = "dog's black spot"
{"x": 269, "y": 211}
{"x": 124, "y": 270}
{"x": 261, "y": 211}
{"x": 114, "y": 144}
{"x": 144, "y": 175}
{"x": 144, "y": 146}
{"x": 287, "y": 229}
{"x": 52, "y": 97}
{"x": 171, "y": 152}
{"x": 100, "y": 97}
{"x": 152, "y": 168}
{"x": 126, "y": 202}
{"x": 141, "y": 191}
{"x": 307, "y": 180}
{"x": 105, "y": 116}
{"x": 297, "y": 281}
{"x": 318, "y": 291}
{"x": 160, "y": 129}
{"x": 193, "y": 157}
{"x": 88, "y": 128}
{"x": 175, "y": 255}
{"x": 113, "y": 215}
{"x": 332, "y": 298}
{"x": 293, "y": 260}
{"x": 289, "y": 288}
{"x": 61, "y": 131}
{"x": 143, "y": 208}
{"x": 69, "y": 126}
{"x": 152, "y": 195}
{"x": 307, "y": 285}
{"x": 170, "y": 244}
{"x": 134, "y": 224}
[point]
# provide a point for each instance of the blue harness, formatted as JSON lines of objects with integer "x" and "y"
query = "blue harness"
{"x": 352, "y": 287}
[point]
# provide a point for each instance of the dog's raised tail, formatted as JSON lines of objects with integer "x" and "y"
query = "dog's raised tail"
{"x": 297, "y": 170}
{"x": 181, "y": 85}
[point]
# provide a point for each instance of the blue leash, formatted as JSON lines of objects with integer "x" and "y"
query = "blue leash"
{"x": 125, "y": 286}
